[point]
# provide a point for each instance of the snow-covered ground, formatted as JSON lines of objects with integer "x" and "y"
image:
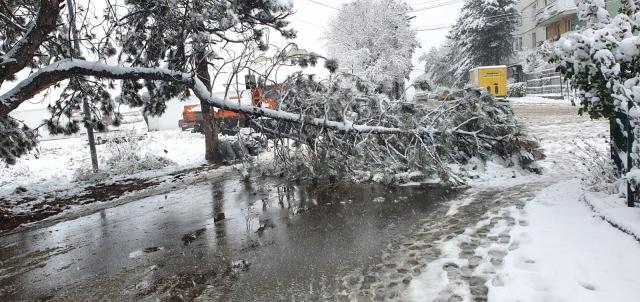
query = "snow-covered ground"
{"x": 543, "y": 238}
{"x": 564, "y": 253}
{"x": 518, "y": 236}
{"x": 55, "y": 163}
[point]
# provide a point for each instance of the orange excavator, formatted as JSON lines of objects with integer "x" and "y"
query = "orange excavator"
{"x": 229, "y": 121}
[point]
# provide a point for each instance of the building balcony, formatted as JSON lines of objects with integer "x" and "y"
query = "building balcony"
{"x": 555, "y": 11}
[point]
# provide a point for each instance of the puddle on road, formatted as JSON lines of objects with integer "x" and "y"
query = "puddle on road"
{"x": 292, "y": 241}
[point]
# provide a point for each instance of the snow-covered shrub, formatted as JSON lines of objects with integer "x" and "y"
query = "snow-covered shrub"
{"x": 534, "y": 61}
{"x": 130, "y": 157}
{"x": 601, "y": 62}
{"x": 599, "y": 172}
{"x": 124, "y": 158}
{"x": 517, "y": 90}
{"x": 405, "y": 138}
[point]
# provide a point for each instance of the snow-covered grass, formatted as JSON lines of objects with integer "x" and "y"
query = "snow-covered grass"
{"x": 567, "y": 254}
{"x": 55, "y": 164}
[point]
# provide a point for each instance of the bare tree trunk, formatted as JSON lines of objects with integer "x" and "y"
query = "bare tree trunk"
{"x": 85, "y": 104}
{"x": 210, "y": 129}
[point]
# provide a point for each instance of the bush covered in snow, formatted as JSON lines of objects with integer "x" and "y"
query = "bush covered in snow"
{"x": 124, "y": 158}
{"x": 404, "y": 138}
{"x": 601, "y": 62}
{"x": 599, "y": 172}
{"x": 534, "y": 61}
{"x": 517, "y": 90}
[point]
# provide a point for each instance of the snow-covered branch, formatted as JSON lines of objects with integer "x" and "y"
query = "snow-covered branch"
{"x": 417, "y": 140}
{"x": 54, "y": 73}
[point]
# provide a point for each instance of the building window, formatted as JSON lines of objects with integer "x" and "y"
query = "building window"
{"x": 517, "y": 44}
{"x": 519, "y": 20}
{"x": 554, "y": 31}
{"x": 534, "y": 43}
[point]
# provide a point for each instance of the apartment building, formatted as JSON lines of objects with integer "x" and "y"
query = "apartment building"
{"x": 543, "y": 20}
{"x": 548, "y": 20}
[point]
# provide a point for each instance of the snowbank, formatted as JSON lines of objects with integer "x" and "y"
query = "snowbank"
{"x": 566, "y": 254}
{"x": 538, "y": 99}
{"x": 54, "y": 165}
{"x": 614, "y": 210}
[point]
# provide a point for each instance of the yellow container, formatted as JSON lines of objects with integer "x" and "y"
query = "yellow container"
{"x": 492, "y": 78}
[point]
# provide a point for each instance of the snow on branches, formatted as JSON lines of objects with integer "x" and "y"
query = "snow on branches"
{"x": 373, "y": 40}
{"x": 15, "y": 139}
{"x": 173, "y": 36}
{"x": 428, "y": 140}
{"x": 601, "y": 61}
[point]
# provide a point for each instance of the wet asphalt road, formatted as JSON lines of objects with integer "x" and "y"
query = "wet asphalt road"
{"x": 264, "y": 240}
{"x": 225, "y": 240}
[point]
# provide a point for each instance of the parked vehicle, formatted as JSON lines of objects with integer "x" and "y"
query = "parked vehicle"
{"x": 229, "y": 121}
{"x": 493, "y": 78}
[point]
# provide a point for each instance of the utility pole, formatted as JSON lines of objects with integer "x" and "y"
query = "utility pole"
{"x": 85, "y": 104}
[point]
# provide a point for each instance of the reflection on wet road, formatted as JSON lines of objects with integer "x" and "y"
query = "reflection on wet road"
{"x": 227, "y": 240}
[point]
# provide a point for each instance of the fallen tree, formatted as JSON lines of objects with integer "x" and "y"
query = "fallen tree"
{"x": 337, "y": 128}
{"x": 374, "y": 138}
{"x": 354, "y": 130}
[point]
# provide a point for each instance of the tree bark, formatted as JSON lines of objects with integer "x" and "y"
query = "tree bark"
{"x": 21, "y": 54}
{"x": 209, "y": 127}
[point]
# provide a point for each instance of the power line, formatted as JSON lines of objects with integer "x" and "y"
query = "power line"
{"x": 325, "y": 5}
{"x": 310, "y": 23}
{"x": 426, "y": 2}
{"x": 437, "y": 5}
{"x": 443, "y": 26}
{"x": 413, "y": 11}
{"x": 434, "y": 28}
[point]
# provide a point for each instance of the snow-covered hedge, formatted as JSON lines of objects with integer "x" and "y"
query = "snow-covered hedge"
{"x": 599, "y": 172}
{"x": 601, "y": 62}
{"x": 517, "y": 90}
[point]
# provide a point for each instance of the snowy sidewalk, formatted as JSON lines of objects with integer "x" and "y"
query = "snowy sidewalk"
{"x": 538, "y": 238}
{"x": 567, "y": 254}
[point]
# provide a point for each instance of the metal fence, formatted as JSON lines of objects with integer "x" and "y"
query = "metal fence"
{"x": 547, "y": 82}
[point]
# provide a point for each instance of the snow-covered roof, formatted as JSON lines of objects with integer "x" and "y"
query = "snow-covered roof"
{"x": 491, "y": 67}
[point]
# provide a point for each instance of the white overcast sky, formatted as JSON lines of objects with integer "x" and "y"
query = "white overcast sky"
{"x": 311, "y": 19}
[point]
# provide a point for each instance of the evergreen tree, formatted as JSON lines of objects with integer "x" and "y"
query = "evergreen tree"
{"x": 179, "y": 35}
{"x": 190, "y": 35}
{"x": 437, "y": 66}
{"x": 482, "y": 36}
